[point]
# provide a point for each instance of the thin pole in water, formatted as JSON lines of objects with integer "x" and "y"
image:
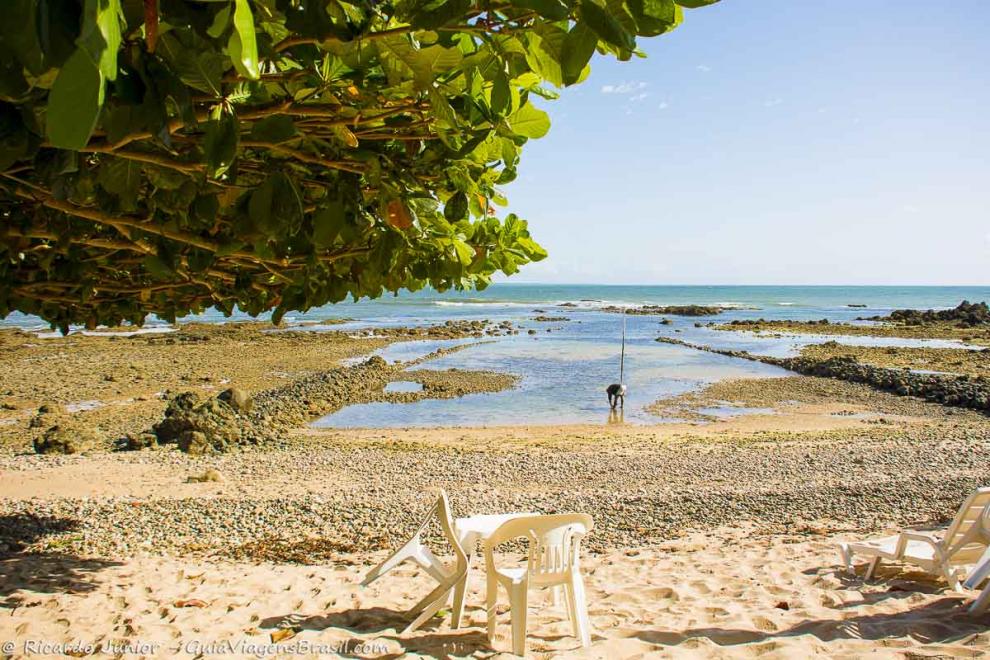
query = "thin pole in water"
{"x": 622, "y": 357}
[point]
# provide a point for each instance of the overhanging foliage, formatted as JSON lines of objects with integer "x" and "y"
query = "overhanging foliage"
{"x": 275, "y": 154}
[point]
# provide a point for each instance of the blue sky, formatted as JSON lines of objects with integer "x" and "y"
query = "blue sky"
{"x": 774, "y": 142}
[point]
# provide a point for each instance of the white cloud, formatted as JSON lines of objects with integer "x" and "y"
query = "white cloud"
{"x": 910, "y": 208}
{"x": 769, "y": 103}
{"x": 624, "y": 88}
{"x": 639, "y": 97}
{"x": 663, "y": 105}
{"x": 703, "y": 67}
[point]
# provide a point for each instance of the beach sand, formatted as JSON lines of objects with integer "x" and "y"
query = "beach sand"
{"x": 730, "y": 593}
{"x": 713, "y": 537}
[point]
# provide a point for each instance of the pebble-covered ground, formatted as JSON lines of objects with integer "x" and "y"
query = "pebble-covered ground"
{"x": 328, "y": 497}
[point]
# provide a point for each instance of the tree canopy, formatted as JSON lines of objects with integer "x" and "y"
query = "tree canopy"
{"x": 168, "y": 156}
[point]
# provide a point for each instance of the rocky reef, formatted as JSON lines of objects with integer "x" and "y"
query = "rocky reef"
{"x": 966, "y": 314}
{"x": 964, "y": 391}
{"x": 672, "y": 310}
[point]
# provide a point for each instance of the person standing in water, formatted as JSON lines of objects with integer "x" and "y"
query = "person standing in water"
{"x": 616, "y": 395}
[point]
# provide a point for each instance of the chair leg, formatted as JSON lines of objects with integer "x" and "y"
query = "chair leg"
{"x": 565, "y": 590}
{"x": 409, "y": 550}
{"x": 872, "y": 568}
{"x": 980, "y": 604}
{"x": 458, "y": 609}
{"x": 580, "y": 604}
{"x": 519, "y": 610}
{"x": 491, "y": 598}
{"x": 442, "y": 590}
{"x": 846, "y": 554}
{"x": 952, "y": 578}
{"x": 428, "y": 613}
{"x": 429, "y": 563}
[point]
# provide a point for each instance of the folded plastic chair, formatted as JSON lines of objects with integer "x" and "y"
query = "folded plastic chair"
{"x": 448, "y": 576}
{"x": 553, "y": 562}
{"x": 947, "y": 555}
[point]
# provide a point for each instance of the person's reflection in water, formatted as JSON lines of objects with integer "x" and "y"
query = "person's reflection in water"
{"x": 616, "y": 416}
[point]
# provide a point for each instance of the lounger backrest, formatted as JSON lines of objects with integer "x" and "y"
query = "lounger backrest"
{"x": 554, "y": 541}
{"x": 964, "y": 537}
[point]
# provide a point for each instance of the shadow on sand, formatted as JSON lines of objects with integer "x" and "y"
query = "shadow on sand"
{"x": 940, "y": 621}
{"x": 376, "y": 620}
{"x": 46, "y": 573}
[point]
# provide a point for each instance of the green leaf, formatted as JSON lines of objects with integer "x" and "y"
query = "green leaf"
{"x": 243, "y": 47}
{"x": 122, "y": 177}
{"x": 220, "y": 142}
{"x": 275, "y": 129}
{"x": 552, "y": 9}
{"x": 605, "y": 26}
{"x": 465, "y": 253}
{"x": 456, "y": 207}
{"x": 220, "y": 22}
{"x": 545, "y": 48}
{"x": 439, "y": 13}
{"x": 157, "y": 267}
{"x": 14, "y": 139}
{"x": 74, "y": 103}
{"x": 694, "y": 4}
{"x": 275, "y": 206}
{"x": 578, "y": 48}
{"x": 529, "y": 121}
{"x": 201, "y": 70}
{"x": 327, "y": 223}
{"x": 655, "y": 17}
{"x": 501, "y": 94}
{"x": 100, "y": 35}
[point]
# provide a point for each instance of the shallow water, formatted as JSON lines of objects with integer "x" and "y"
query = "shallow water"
{"x": 563, "y": 374}
{"x": 404, "y": 386}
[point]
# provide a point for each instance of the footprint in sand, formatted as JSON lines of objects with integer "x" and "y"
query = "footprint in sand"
{"x": 765, "y": 624}
{"x": 662, "y": 593}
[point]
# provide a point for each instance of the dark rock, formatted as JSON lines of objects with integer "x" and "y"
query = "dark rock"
{"x": 237, "y": 399}
{"x": 138, "y": 441}
{"x": 194, "y": 443}
{"x": 673, "y": 310}
{"x": 66, "y": 438}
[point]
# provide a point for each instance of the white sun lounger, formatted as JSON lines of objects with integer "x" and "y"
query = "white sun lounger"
{"x": 961, "y": 546}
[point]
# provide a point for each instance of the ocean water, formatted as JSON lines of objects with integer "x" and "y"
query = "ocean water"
{"x": 563, "y": 373}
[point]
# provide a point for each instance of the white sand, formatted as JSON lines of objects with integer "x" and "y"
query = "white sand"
{"x": 732, "y": 593}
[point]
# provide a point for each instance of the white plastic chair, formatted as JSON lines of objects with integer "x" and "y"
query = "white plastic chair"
{"x": 449, "y": 577}
{"x": 553, "y": 562}
{"x": 960, "y": 546}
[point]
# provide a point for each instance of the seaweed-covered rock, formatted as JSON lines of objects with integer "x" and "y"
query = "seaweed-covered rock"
{"x": 672, "y": 310}
{"x": 216, "y": 424}
{"x": 138, "y": 441}
{"x": 66, "y": 438}
{"x": 195, "y": 443}
{"x": 237, "y": 399}
{"x": 966, "y": 314}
